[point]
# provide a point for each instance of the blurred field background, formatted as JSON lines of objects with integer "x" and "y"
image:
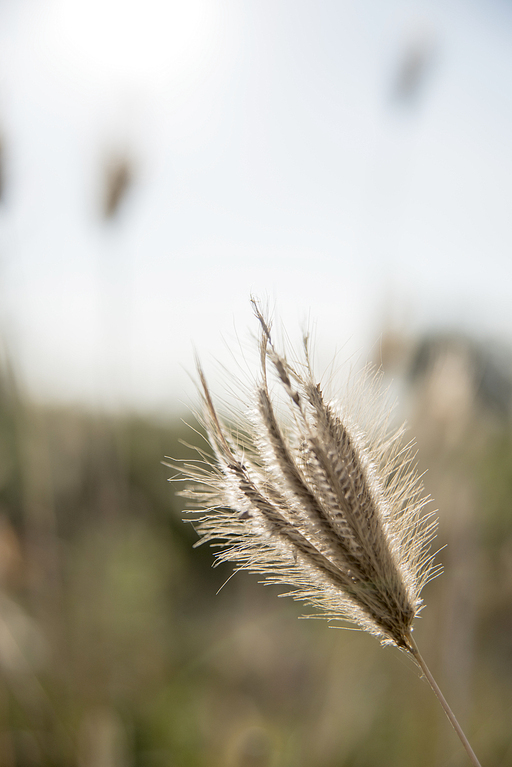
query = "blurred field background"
{"x": 116, "y": 651}
{"x": 348, "y": 162}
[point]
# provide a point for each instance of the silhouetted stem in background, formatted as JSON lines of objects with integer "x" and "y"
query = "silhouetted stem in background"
{"x": 449, "y": 713}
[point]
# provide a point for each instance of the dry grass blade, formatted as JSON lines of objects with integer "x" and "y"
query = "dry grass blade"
{"x": 315, "y": 500}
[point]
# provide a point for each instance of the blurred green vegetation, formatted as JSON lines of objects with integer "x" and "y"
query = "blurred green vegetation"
{"x": 116, "y": 650}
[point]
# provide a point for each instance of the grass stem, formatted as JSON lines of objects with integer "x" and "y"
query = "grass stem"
{"x": 442, "y": 700}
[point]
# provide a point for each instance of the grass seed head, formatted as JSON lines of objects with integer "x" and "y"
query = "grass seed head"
{"x": 326, "y": 500}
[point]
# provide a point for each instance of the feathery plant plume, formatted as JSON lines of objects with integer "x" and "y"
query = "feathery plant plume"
{"x": 327, "y": 500}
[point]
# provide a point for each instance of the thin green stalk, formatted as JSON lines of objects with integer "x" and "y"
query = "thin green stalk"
{"x": 442, "y": 700}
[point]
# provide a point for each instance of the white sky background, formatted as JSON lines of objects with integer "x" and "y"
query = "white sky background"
{"x": 270, "y": 158}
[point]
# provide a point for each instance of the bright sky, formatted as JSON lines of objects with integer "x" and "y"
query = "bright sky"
{"x": 271, "y": 155}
